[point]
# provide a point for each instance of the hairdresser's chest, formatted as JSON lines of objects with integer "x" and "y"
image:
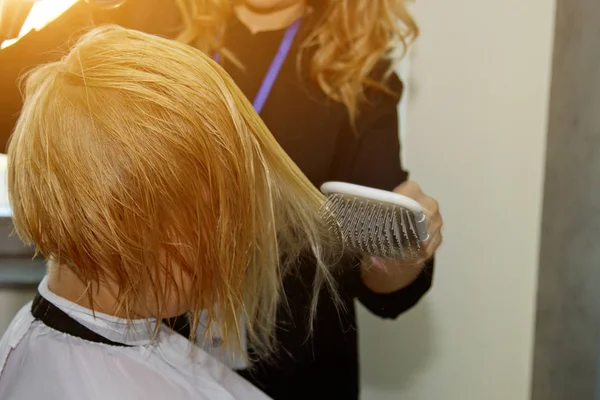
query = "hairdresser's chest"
{"x": 306, "y": 124}
{"x": 308, "y": 131}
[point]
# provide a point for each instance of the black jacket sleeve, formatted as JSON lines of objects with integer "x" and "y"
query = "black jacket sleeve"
{"x": 377, "y": 164}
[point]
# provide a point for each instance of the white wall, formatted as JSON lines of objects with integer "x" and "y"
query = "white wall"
{"x": 4, "y": 206}
{"x": 476, "y": 129}
{"x": 11, "y": 300}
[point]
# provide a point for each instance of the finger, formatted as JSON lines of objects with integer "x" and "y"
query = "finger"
{"x": 434, "y": 220}
{"x": 410, "y": 189}
{"x": 433, "y": 243}
{"x": 435, "y": 227}
{"x": 434, "y": 239}
{"x": 431, "y": 206}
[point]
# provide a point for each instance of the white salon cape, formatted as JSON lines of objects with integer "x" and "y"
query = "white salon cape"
{"x": 40, "y": 363}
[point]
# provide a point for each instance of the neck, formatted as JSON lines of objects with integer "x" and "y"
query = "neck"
{"x": 262, "y": 21}
{"x": 63, "y": 282}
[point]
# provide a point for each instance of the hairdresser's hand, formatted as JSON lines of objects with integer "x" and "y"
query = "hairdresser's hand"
{"x": 389, "y": 276}
{"x": 432, "y": 213}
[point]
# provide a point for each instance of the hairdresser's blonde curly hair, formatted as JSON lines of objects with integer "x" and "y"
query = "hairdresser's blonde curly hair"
{"x": 351, "y": 37}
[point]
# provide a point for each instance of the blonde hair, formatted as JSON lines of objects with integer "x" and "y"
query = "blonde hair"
{"x": 350, "y": 39}
{"x": 134, "y": 155}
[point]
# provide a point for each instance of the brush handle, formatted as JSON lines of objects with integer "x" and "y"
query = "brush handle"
{"x": 383, "y": 196}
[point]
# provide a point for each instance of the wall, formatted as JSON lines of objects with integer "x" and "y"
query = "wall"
{"x": 476, "y": 131}
{"x": 12, "y": 298}
{"x": 568, "y": 320}
{"x": 4, "y": 206}
{"x": 11, "y": 301}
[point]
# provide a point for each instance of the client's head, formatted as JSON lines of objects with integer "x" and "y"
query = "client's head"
{"x": 138, "y": 167}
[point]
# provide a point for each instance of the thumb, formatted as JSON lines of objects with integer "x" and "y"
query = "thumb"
{"x": 409, "y": 189}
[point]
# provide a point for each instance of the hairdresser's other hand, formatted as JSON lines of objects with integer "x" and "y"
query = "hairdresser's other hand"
{"x": 390, "y": 276}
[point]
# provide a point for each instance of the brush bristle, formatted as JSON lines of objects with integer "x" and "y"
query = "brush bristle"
{"x": 373, "y": 228}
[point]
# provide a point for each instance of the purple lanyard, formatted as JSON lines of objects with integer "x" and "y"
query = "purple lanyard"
{"x": 276, "y": 64}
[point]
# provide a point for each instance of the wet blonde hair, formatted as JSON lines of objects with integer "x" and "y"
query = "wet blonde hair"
{"x": 351, "y": 38}
{"x": 136, "y": 156}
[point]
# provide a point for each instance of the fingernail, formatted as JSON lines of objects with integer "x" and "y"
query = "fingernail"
{"x": 378, "y": 263}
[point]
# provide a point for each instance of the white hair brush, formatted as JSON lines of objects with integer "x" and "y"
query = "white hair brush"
{"x": 375, "y": 222}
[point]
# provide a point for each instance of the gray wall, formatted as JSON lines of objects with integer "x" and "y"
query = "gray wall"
{"x": 568, "y": 320}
